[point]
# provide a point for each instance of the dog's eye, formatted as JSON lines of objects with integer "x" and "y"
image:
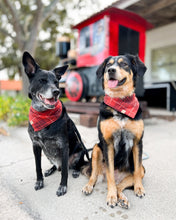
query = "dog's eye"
{"x": 56, "y": 82}
{"x": 42, "y": 80}
{"x": 124, "y": 64}
{"x": 108, "y": 64}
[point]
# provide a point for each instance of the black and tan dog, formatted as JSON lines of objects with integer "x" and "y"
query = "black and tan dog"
{"x": 120, "y": 128}
{"x": 50, "y": 128}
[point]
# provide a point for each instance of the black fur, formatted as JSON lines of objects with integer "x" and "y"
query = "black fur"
{"x": 60, "y": 141}
{"x": 123, "y": 158}
{"x": 120, "y": 136}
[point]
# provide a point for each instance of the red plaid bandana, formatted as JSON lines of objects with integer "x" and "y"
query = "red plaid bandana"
{"x": 128, "y": 106}
{"x": 40, "y": 120}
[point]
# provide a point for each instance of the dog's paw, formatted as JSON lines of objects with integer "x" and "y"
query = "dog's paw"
{"x": 50, "y": 171}
{"x": 75, "y": 174}
{"x": 111, "y": 200}
{"x": 139, "y": 191}
{"x": 87, "y": 189}
{"x": 61, "y": 190}
{"x": 122, "y": 201}
{"x": 39, "y": 185}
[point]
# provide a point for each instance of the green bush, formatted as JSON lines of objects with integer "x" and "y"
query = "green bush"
{"x": 5, "y": 104}
{"x": 19, "y": 111}
{"x": 14, "y": 110}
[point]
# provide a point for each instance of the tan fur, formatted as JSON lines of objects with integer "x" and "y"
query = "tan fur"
{"x": 138, "y": 173}
{"x": 108, "y": 127}
{"x": 120, "y": 91}
{"x": 111, "y": 61}
{"x": 136, "y": 127}
{"x": 112, "y": 190}
{"x": 97, "y": 158}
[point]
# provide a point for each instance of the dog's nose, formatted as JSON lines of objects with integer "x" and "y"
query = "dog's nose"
{"x": 56, "y": 92}
{"x": 111, "y": 70}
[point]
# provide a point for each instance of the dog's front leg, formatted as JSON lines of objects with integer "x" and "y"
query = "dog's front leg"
{"x": 112, "y": 190}
{"x": 97, "y": 159}
{"x": 138, "y": 169}
{"x": 37, "y": 154}
{"x": 64, "y": 172}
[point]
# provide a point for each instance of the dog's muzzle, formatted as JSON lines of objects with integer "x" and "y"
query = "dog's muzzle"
{"x": 49, "y": 101}
{"x": 56, "y": 93}
{"x": 113, "y": 82}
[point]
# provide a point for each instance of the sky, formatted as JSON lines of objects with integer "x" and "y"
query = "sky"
{"x": 101, "y": 4}
{"x": 77, "y": 15}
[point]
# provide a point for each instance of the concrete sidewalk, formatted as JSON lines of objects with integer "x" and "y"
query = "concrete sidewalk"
{"x": 19, "y": 200}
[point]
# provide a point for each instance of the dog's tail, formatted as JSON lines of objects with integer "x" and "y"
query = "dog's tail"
{"x": 87, "y": 169}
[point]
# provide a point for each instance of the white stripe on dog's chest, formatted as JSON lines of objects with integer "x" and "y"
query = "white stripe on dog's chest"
{"x": 121, "y": 122}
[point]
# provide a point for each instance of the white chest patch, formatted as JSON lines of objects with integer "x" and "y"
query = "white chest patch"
{"x": 121, "y": 122}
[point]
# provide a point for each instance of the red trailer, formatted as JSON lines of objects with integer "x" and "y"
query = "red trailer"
{"x": 110, "y": 32}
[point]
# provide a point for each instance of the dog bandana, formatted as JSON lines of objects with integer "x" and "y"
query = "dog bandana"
{"x": 40, "y": 120}
{"x": 128, "y": 106}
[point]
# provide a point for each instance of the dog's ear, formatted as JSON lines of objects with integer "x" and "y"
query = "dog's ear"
{"x": 138, "y": 66}
{"x": 30, "y": 66}
{"x": 59, "y": 71}
{"x": 101, "y": 68}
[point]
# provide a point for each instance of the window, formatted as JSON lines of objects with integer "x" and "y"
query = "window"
{"x": 92, "y": 38}
{"x": 98, "y": 36}
{"x": 128, "y": 41}
{"x": 163, "y": 64}
{"x": 84, "y": 43}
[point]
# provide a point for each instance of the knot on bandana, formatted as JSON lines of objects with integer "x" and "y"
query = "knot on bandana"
{"x": 128, "y": 106}
{"x": 40, "y": 120}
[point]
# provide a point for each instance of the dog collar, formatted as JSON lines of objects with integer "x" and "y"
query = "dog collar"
{"x": 128, "y": 106}
{"x": 40, "y": 120}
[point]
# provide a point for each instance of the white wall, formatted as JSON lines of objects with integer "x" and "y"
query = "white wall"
{"x": 156, "y": 38}
{"x": 3, "y": 74}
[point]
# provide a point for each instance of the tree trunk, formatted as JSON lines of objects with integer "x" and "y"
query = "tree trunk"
{"x": 25, "y": 82}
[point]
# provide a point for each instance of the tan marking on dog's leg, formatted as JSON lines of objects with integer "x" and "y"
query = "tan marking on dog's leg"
{"x": 138, "y": 173}
{"x": 125, "y": 183}
{"x": 112, "y": 190}
{"x": 97, "y": 158}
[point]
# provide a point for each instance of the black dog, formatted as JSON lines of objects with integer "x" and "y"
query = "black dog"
{"x": 50, "y": 128}
{"x": 120, "y": 129}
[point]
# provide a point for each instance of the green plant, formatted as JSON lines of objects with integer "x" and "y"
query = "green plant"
{"x": 5, "y": 103}
{"x": 14, "y": 110}
{"x": 19, "y": 111}
{"x": 64, "y": 99}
